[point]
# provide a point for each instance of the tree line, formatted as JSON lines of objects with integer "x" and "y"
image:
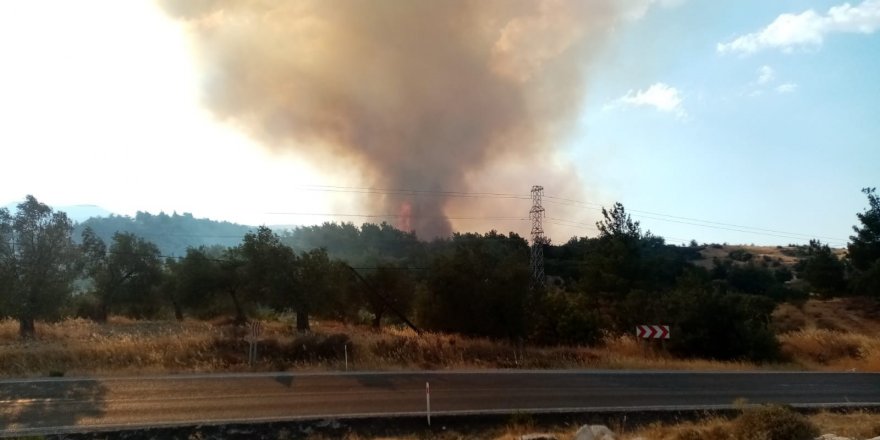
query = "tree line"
{"x": 471, "y": 283}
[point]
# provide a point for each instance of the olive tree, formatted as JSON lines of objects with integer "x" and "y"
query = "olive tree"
{"x": 38, "y": 262}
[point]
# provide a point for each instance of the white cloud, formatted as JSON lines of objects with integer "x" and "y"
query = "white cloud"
{"x": 660, "y": 96}
{"x": 766, "y": 74}
{"x": 808, "y": 29}
{"x": 765, "y": 82}
{"x": 786, "y": 88}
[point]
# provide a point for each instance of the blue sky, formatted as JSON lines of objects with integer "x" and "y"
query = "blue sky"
{"x": 783, "y": 138}
{"x": 764, "y": 114}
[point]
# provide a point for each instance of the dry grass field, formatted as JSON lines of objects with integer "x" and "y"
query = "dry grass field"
{"x": 771, "y": 255}
{"x": 80, "y": 347}
{"x": 835, "y": 335}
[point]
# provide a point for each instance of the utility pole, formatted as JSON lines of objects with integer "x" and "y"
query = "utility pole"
{"x": 536, "y": 214}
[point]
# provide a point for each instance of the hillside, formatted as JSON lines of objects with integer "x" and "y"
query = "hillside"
{"x": 772, "y": 256}
{"x": 173, "y": 234}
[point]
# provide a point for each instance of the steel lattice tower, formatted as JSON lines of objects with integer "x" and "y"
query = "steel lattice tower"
{"x": 536, "y": 214}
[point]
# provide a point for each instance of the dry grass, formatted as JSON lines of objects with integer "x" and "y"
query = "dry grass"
{"x": 832, "y": 350}
{"x": 858, "y": 425}
{"x": 122, "y": 346}
{"x": 769, "y": 254}
{"x": 404, "y": 348}
{"x": 710, "y": 428}
{"x": 81, "y": 347}
{"x": 821, "y": 335}
{"x": 837, "y": 334}
{"x": 854, "y": 425}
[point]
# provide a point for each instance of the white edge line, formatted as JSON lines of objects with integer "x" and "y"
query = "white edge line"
{"x": 201, "y": 376}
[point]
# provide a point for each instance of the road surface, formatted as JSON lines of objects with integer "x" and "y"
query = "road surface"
{"x": 41, "y": 406}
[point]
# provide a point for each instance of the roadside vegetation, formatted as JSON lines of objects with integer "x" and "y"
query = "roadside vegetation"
{"x": 79, "y": 304}
{"x": 752, "y": 423}
{"x": 76, "y": 347}
{"x": 765, "y": 422}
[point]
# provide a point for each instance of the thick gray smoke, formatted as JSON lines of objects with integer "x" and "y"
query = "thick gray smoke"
{"x": 419, "y": 93}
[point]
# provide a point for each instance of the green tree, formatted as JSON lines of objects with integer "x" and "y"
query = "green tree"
{"x": 750, "y": 278}
{"x": 125, "y": 276}
{"x": 7, "y": 262}
{"x": 204, "y": 277}
{"x": 864, "y": 247}
{"x": 724, "y": 326}
{"x": 614, "y": 263}
{"x": 564, "y": 318}
{"x": 37, "y": 263}
{"x": 315, "y": 279}
{"x": 823, "y": 270}
{"x": 363, "y": 247}
{"x": 623, "y": 258}
{"x": 271, "y": 274}
{"x": 617, "y": 223}
{"x": 396, "y": 287}
{"x": 478, "y": 285}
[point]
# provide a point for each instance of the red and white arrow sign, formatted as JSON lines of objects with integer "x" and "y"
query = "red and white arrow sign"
{"x": 652, "y": 331}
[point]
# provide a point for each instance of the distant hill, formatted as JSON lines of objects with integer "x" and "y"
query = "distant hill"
{"x": 766, "y": 256}
{"x": 77, "y": 213}
{"x": 173, "y": 234}
{"x": 81, "y": 213}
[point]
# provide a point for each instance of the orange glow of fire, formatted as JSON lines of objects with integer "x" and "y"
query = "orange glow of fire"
{"x": 404, "y": 217}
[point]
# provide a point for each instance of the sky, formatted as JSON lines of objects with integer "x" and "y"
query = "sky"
{"x": 739, "y": 122}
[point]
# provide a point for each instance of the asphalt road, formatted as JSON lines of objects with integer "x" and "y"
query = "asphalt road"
{"x": 63, "y": 405}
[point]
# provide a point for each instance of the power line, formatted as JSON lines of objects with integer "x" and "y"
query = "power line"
{"x": 573, "y": 202}
{"x": 579, "y": 225}
{"x": 697, "y": 222}
{"x": 691, "y": 221}
{"x": 329, "y": 214}
{"x": 410, "y": 192}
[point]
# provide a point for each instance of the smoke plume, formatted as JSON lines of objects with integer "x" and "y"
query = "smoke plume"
{"x": 417, "y": 94}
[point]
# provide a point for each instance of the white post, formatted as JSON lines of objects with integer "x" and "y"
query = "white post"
{"x": 346, "y": 356}
{"x": 428, "y": 401}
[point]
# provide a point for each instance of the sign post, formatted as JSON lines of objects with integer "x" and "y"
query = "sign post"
{"x": 428, "y": 401}
{"x": 255, "y": 329}
{"x": 647, "y": 332}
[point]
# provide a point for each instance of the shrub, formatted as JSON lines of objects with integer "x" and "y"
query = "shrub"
{"x": 773, "y": 422}
{"x": 722, "y": 326}
{"x": 85, "y": 305}
{"x": 565, "y": 318}
{"x": 782, "y": 274}
{"x": 750, "y": 279}
{"x": 740, "y": 255}
{"x": 314, "y": 347}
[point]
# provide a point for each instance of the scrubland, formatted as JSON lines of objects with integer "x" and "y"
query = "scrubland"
{"x": 833, "y": 335}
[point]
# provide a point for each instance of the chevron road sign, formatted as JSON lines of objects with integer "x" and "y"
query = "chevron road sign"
{"x": 652, "y": 331}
